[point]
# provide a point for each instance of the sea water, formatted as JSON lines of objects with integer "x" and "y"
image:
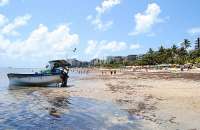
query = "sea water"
{"x": 25, "y": 108}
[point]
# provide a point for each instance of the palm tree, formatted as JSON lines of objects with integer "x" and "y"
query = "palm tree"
{"x": 161, "y": 49}
{"x": 161, "y": 55}
{"x": 174, "y": 51}
{"x": 174, "y": 48}
{"x": 186, "y": 44}
{"x": 182, "y": 55}
{"x": 150, "y": 51}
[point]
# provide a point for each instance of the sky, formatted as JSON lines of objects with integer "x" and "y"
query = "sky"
{"x": 32, "y": 32}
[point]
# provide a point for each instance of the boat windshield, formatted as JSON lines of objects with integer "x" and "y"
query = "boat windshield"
{"x": 50, "y": 70}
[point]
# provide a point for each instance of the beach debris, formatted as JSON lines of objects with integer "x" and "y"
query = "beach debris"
{"x": 141, "y": 106}
{"x": 60, "y": 102}
{"x": 53, "y": 112}
{"x": 171, "y": 120}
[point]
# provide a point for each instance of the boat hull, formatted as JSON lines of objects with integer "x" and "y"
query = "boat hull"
{"x": 33, "y": 79}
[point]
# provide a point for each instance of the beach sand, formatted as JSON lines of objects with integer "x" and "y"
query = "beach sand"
{"x": 166, "y": 100}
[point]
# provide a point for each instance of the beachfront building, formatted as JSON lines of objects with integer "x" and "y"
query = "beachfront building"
{"x": 74, "y": 62}
{"x": 197, "y": 44}
{"x": 130, "y": 58}
{"x": 85, "y": 64}
{"x": 140, "y": 56}
{"x": 116, "y": 59}
{"x": 121, "y": 59}
{"x": 95, "y": 61}
{"x": 109, "y": 59}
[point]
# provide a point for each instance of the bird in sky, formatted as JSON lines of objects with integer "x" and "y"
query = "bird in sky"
{"x": 74, "y": 50}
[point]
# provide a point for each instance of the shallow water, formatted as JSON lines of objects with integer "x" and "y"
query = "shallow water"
{"x": 28, "y": 108}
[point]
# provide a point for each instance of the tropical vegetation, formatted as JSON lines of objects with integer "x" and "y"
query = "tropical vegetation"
{"x": 174, "y": 55}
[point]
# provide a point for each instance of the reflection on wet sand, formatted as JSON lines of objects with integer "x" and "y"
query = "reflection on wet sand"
{"x": 45, "y": 98}
{"x": 53, "y": 108}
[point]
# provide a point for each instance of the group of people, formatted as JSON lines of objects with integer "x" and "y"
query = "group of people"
{"x": 93, "y": 70}
{"x": 112, "y": 72}
{"x": 80, "y": 70}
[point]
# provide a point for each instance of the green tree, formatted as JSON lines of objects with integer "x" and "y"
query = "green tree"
{"x": 150, "y": 51}
{"x": 161, "y": 49}
{"x": 182, "y": 55}
{"x": 174, "y": 48}
{"x": 161, "y": 55}
{"x": 173, "y": 54}
{"x": 194, "y": 55}
{"x": 186, "y": 44}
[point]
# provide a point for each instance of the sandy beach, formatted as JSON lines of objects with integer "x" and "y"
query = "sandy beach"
{"x": 164, "y": 100}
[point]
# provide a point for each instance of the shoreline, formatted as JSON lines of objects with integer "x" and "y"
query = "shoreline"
{"x": 161, "y": 100}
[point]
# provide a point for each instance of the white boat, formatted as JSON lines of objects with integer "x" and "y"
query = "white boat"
{"x": 57, "y": 75}
{"x": 34, "y": 79}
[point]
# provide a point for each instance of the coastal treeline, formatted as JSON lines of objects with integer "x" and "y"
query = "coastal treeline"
{"x": 182, "y": 54}
{"x": 173, "y": 55}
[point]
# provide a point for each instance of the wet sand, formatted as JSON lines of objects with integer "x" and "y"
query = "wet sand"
{"x": 166, "y": 100}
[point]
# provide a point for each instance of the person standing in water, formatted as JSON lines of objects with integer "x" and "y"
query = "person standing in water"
{"x": 64, "y": 76}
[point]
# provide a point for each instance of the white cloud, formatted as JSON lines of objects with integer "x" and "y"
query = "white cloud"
{"x": 146, "y": 20}
{"x": 97, "y": 21}
{"x": 4, "y": 2}
{"x": 97, "y": 48}
{"x": 10, "y": 28}
{"x": 3, "y": 20}
{"x": 106, "y": 5}
{"x": 114, "y": 46}
{"x": 134, "y": 46}
{"x": 89, "y": 17}
{"x": 39, "y": 46}
{"x": 41, "y": 43}
{"x": 193, "y": 31}
{"x": 91, "y": 47}
{"x": 100, "y": 25}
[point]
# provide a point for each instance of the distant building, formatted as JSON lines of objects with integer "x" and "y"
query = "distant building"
{"x": 95, "y": 62}
{"x": 197, "y": 44}
{"x": 117, "y": 59}
{"x": 130, "y": 57}
{"x": 77, "y": 63}
{"x": 109, "y": 59}
{"x": 74, "y": 62}
{"x": 140, "y": 56}
{"x": 84, "y": 64}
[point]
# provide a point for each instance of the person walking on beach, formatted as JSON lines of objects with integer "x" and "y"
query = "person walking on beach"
{"x": 182, "y": 68}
